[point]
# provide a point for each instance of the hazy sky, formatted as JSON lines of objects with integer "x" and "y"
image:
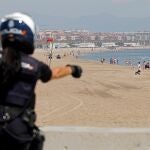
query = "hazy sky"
{"x": 77, "y": 8}
{"x": 103, "y": 15}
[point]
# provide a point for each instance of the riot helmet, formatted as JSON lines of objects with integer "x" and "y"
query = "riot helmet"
{"x": 17, "y": 30}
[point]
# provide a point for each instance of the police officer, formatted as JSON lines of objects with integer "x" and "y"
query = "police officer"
{"x": 19, "y": 73}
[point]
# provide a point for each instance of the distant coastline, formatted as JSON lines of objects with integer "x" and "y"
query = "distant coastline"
{"x": 131, "y": 48}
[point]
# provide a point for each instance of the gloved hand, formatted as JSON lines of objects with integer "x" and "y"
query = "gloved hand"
{"x": 76, "y": 71}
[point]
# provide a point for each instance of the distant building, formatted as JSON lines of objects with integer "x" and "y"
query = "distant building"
{"x": 86, "y": 45}
{"x": 87, "y": 38}
{"x": 108, "y": 45}
{"x": 131, "y": 44}
{"x": 61, "y": 45}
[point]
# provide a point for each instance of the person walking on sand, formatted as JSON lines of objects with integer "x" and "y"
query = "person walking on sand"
{"x": 19, "y": 73}
{"x": 138, "y": 72}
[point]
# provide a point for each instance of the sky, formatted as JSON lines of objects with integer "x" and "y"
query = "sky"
{"x": 77, "y": 8}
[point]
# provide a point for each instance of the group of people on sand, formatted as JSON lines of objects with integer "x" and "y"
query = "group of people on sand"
{"x": 113, "y": 61}
{"x": 146, "y": 65}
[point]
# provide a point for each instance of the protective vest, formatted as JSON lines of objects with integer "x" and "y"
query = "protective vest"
{"x": 20, "y": 95}
{"x": 17, "y": 100}
{"x": 22, "y": 90}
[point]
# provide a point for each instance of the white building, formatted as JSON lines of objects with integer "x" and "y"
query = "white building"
{"x": 86, "y": 45}
{"x": 61, "y": 45}
{"x": 131, "y": 44}
{"x": 110, "y": 44}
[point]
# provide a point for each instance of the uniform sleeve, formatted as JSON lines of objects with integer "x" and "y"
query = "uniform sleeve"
{"x": 45, "y": 73}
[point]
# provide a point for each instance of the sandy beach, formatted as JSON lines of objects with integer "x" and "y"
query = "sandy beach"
{"x": 105, "y": 96}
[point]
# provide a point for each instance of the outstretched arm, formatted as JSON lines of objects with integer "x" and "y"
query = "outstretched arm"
{"x": 46, "y": 73}
{"x": 60, "y": 72}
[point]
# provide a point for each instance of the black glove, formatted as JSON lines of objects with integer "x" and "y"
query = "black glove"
{"x": 76, "y": 71}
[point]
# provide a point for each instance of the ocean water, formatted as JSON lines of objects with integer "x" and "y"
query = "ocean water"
{"x": 124, "y": 57}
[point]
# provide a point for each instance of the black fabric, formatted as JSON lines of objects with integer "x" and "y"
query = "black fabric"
{"x": 7, "y": 142}
{"x": 38, "y": 140}
{"x": 10, "y": 64}
{"x": 20, "y": 93}
{"x": 18, "y": 130}
{"x": 22, "y": 89}
{"x": 37, "y": 143}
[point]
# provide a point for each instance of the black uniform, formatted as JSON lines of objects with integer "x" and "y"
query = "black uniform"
{"x": 17, "y": 100}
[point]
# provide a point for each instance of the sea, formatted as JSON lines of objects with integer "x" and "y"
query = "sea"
{"x": 123, "y": 57}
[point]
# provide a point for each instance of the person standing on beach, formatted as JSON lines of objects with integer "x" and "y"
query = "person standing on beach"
{"x": 19, "y": 73}
{"x": 138, "y": 72}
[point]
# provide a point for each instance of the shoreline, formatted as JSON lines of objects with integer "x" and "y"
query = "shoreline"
{"x": 75, "y": 53}
{"x": 63, "y": 52}
{"x": 95, "y": 49}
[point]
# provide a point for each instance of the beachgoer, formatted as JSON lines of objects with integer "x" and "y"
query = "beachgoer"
{"x": 19, "y": 73}
{"x": 58, "y": 56}
{"x": 111, "y": 61}
{"x": 102, "y": 60}
{"x": 147, "y": 66}
{"x": 138, "y": 72}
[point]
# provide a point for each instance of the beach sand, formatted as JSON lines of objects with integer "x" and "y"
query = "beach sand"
{"x": 105, "y": 96}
